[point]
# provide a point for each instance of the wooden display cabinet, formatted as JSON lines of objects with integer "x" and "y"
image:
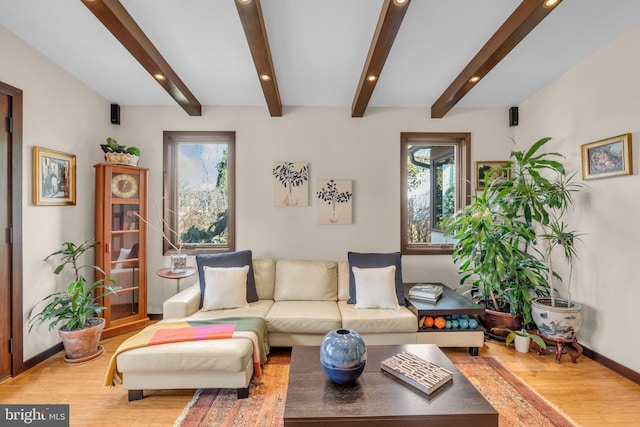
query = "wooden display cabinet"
{"x": 121, "y": 202}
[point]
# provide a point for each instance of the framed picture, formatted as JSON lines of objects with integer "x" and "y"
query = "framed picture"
{"x": 608, "y": 157}
{"x": 483, "y": 168}
{"x": 54, "y": 178}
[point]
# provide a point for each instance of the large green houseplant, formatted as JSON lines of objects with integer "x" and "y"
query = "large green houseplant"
{"x": 77, "y": 307}
{"x": 504, "y": 239}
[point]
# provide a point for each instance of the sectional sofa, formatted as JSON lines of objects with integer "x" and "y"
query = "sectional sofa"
{"x": 300, "y": 301}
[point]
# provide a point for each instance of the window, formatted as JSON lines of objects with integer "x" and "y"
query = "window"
{"x": 435, "y": 182}
{"x": 199, "y": 191}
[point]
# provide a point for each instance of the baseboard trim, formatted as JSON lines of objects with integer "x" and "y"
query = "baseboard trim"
{"x": 628, "y": 373}
{"x": 41, "y": 357}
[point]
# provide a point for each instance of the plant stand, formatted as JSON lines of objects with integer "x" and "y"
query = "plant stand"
{"x": 561, "y": 347}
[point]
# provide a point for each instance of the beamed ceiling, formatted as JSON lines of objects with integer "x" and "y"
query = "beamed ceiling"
{"x": 348, "y": 53}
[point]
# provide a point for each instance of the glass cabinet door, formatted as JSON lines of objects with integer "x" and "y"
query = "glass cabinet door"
{"x": 124, "y": 265}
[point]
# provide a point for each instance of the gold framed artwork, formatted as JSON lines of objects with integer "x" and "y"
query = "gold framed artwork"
{"x": 607, "y": 157}
{"x": 54, "y": 178}
{"x": 484, "y": 177}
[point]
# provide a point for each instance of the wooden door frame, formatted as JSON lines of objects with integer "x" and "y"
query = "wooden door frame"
{"x": 15, "y": 194}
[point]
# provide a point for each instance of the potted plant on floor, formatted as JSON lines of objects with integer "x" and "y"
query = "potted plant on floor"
{"x": 504, "y": 239}
{"x": 77, "y": 307}
{"x": 521, "y": 339}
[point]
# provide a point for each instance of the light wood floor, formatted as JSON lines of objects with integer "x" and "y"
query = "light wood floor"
{"x": 589, "y": 393}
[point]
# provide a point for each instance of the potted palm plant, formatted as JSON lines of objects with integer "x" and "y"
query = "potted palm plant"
{"x": 504, "y": 239}
{"x": 77, "y": 307}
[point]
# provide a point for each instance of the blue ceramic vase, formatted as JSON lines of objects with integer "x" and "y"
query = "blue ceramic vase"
{"x": 343, "y": 355}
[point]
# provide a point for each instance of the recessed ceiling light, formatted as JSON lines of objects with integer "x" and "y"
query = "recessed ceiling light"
{"x": 551, "y": 3}
{"x": 474, "y": 79}
{"x": 265, "y": 77}
{"x": 400, "y": 2}
{"x": 372, "y": 78}
{"x": 159, "y": 76}
{"x": 244, "y": 1}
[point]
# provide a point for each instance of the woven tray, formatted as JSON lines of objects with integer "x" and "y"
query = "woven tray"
{"x": 121, "y": 159}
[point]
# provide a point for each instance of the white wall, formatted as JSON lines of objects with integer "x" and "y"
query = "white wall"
{"x": 62, "y": 114}
{"x": 365, "y": 150}
{"x": 597, "y": 100}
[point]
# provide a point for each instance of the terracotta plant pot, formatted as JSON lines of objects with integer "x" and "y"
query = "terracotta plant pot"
{"x": 82, "y": 343}
{"x": 497, "y": 319}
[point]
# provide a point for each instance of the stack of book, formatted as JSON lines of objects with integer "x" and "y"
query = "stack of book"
{"x": 417, "y": 372}
{"x": 426, "y": 292}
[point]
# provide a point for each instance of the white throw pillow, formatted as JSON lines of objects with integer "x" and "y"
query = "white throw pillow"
{"x": 124, "y": 254}
{"x": 376, "y": 287}
{"x": 225, "y": 288}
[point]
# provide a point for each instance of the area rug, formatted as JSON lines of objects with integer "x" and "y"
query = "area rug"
{"x": 516, "y": 403}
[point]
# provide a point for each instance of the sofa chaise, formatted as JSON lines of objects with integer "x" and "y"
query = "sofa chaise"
{"x": 300, "y": 301}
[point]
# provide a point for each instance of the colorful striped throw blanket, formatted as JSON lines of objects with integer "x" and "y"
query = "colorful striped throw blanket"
{"x": 252, "y": 328}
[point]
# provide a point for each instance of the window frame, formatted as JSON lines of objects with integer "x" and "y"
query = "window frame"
{"x": 462, "y": 143}
{"x": 171, "y": 140}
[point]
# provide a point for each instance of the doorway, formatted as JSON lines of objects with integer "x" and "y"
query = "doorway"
{"x": 11, "y": 327}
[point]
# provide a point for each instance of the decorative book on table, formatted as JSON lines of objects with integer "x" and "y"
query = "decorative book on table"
{"x": 426, "y": 292}
{"x": 417, "y": 372}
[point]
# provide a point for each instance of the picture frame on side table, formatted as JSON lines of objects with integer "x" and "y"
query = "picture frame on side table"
{"x": 54, "y": 178}
{"x": 607, "y": 157}
{"x": 483, "y": 167}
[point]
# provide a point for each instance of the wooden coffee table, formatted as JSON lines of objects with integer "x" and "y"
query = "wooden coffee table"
{"x": 379, "y": 399}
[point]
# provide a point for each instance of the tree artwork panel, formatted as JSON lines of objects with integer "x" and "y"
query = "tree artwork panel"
{"x": 335, "y": 201}
{"x": 290, "y": 184}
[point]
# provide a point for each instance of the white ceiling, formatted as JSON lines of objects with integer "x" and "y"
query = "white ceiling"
{"x": 318, "y": 47}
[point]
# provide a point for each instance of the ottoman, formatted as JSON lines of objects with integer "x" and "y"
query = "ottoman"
{"x": 222, "y": 363}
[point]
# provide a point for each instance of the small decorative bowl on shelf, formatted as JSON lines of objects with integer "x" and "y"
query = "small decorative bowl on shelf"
{"x": 121, "y": 159}
{"x": 119, "y": 154}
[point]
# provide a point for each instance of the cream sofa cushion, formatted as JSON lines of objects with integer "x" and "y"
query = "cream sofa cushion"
{"x": 376, "y": 320}
{"x": 343, "y": 280}
{"x": 376, "y": 287}
{"x": 225, "y": 287}
{"x": 204, "y": 355}
{"x": 264, "y": 271}
{"x": 254, "y": 309}
{"x": 301, "y": 280}
{"x": 307, "y": 317}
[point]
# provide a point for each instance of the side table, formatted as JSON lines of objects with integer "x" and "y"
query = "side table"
{"x": 450, "y": 303}
{"x": 167, "y": 274}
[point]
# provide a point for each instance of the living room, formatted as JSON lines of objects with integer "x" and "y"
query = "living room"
{"x": 595, "y": 100}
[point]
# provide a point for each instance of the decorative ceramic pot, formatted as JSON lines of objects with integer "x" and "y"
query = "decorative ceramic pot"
{"x": 343, "y": 355}
{"x": 559, "y": 321}
{"x": 178, "y": 263}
